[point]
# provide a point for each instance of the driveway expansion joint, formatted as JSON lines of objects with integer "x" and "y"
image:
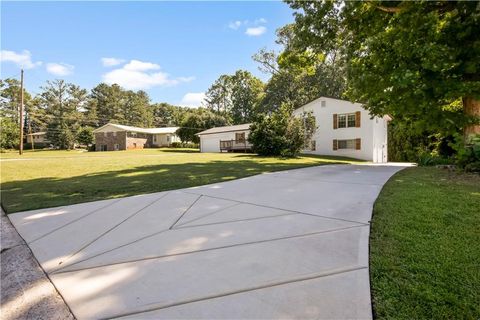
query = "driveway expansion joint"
{"x": 276, "y": 208}
{"x": 267, "y": 254}
{"x": 109, "y": 230}
{"x": 59, "y": 271}
{"x": 264, "y": 286}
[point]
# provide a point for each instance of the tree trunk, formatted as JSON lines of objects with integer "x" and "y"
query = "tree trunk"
{"x": 471, "y": 108}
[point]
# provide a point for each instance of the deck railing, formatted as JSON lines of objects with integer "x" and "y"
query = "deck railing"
{"x": 234, "y": 145}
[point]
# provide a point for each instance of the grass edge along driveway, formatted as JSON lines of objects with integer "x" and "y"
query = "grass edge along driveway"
{"x": 424, "y": 246}
{"x": 44, "y": 179}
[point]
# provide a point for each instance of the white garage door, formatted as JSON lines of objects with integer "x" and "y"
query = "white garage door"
{"x": 209, "y": 144}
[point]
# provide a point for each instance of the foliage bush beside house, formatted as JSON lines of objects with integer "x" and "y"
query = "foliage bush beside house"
{"x": 468, "y": 154}
{"x": 280, "y": 133}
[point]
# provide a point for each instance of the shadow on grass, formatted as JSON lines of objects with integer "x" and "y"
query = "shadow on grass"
{"x": 305, "y": 155}
{"x": 179, "y": 150}
{"x": 50, "y": 192}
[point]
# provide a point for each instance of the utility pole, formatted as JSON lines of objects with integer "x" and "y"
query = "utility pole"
{"x": 20, "y": 150}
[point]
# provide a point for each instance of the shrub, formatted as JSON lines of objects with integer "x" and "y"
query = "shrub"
{"x": 38, "y": 145}
{"x": 184, "y": 145}
{"x": 468, "y": 153}
{"x": 473, "y": 167}
{"x": 280, "y": 133}
{"x": 408, "y": 142}
{"x": 429, "y": 159}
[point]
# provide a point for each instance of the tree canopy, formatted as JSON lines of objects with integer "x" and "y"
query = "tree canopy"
{"x": 235, "y": 96}
{"x": 412, "y": 60}
{"x": 197, "y": 121}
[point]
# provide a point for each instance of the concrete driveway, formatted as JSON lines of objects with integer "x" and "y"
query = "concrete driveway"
{"x": 291, "y": 244}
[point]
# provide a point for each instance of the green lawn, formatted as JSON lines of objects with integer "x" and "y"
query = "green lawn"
{"x": 425, "y": 246}
{"x": 52, "y": 178}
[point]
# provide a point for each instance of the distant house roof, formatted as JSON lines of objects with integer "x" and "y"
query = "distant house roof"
{"x": 137, "y": 129}
{"x": 238, "y": 127}
{"x": 41, "y": 133}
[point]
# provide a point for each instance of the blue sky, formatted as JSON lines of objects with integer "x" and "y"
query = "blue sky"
{"x": 172, "y": 50}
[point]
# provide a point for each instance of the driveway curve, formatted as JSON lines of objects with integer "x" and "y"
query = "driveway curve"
{"x": 290, "y": 244}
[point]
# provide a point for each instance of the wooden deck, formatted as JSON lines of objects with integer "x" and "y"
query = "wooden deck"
{"x": 235, "y": 145}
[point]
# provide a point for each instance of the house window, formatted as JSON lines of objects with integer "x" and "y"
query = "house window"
{"x": 342, "y": 120}
{"x": 154, "y": 138}
{"x": 104, "y": 134}
{"x": 323, "y": 104}
{"x": 116, "y": 147}
{"x": 346, "y": 120}
{"x": 169, "y": 139}
{"x": 351, "y": 120}
{"x": 346, "y": 144}
{"x": 114, "y": 133}
{"x": 240, "y": 137}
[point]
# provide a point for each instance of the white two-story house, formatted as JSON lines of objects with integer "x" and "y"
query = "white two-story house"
{"x": 343, "y": 128}
{"x": 346, "y": 129}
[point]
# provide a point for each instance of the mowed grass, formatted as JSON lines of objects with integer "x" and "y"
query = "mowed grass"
{"x": 49, "y": 178}
{"x": 425, "y": 246}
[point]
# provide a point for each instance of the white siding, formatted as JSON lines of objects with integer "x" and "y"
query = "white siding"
{"x": 380, "y": 143}
{"x": 211, "y": 142}
{"x": 164, "y": 139}
{"x": 372, "y": 134}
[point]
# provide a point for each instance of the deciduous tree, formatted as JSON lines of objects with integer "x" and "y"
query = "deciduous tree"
{"x": 412, "y": 60}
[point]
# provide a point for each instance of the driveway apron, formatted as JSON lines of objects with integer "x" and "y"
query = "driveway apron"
{"x": 290, "y": 244}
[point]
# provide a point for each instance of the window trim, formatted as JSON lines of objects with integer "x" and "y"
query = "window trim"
{"x": 347, "y": 120}
{"x": 339, "y": 117}
{"x": 346, "y": 116}
{"x": 242, "y": 137}
{"x": 352, "y": 142}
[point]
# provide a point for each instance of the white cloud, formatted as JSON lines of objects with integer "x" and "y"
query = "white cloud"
{"x": 185, "y": 79}
{"x": 22, "y": 59}
{"x": 253, "y": 28}
{"x": 110, "y": 62}
{"x": 193, "y": 99}
{"x": 261, "y": 21}
{"x": 60, "y": 69}
{"x": 256, "y": 31}
{"x": 136, "y": 65}
{"x": 235, "y": 24}
{"x": 135, "y": 75}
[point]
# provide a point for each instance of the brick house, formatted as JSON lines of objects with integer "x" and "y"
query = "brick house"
{"x": 112, "y": 137}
